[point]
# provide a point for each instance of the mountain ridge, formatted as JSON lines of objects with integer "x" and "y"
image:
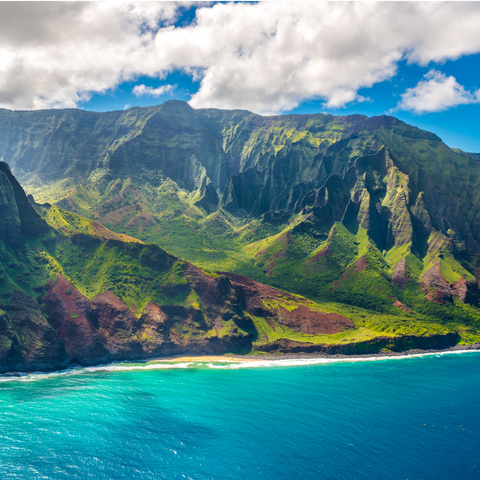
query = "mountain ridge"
{"x": 353, "y": 211}
{"x": 74, "y": 292}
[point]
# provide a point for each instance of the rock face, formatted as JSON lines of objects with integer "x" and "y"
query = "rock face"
{"x": 71, "y": 315}
{"x": 27, "y": 341}
{"x": 442, "y": 291}
{"x": 106, "y": 329}
{"x": 17, "y": 216}
{"x": 302, "y": 318}
{"x": 399, "y": 276}
{"x": 399, "y": 344}
{"x": 369, "y": 216}
{"x": 399, "y": 180}
{"x": 47, "y": 322}
{"x": 174, "y": 175}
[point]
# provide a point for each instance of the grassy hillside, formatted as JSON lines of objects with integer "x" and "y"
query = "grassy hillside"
{"x": 358, "y": 214}
{"x": 73, "y": 291}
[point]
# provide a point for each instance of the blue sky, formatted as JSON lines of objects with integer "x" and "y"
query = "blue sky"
{"x": 419, "y": 62}
{"x": 458, "y": 127}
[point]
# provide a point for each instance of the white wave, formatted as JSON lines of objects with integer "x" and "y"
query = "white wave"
{"x": 147, "y": 366}
{"x": 111, "y": 367}
{"x": 294, "y": 362}
{"x": 30, "y": 377}
{"x": 222, "y": 363}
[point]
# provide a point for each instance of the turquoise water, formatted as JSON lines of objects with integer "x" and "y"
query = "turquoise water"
{"x": 414, "y": 418}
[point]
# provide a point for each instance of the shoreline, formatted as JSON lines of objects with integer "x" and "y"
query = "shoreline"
{"x": 232, "y": 357}
{"x": 232, "y": 360}
{"x": 288, "y": 359}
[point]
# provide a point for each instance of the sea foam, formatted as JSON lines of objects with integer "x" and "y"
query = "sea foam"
{"x": 222, "y": 363}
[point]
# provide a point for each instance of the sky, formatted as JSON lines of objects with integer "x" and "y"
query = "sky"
{"x": 419, "y": 62}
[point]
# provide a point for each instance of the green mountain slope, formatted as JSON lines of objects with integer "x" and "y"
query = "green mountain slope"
{"x": 73, "y": 291}
{"x": 359, "y": 214}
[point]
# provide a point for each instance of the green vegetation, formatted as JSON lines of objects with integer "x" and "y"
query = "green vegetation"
{"x": 370, "y": 218}
{"x": 269, "y": 334}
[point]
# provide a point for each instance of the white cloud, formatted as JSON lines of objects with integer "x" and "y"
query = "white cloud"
{"x": 126, "y": 106}
{"x": 140, "y": 90}
{"x": 361, "y": 99}
{"x": 57, "y": 54}
{"x": 436, "y": 93}
{"x": 265, "y": 57}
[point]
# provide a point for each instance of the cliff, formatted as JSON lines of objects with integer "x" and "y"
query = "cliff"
{"x": 369, "y": 218}
{"x": 76, "y": 292}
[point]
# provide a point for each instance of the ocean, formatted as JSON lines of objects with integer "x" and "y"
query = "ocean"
{"x": 397, "y": 418}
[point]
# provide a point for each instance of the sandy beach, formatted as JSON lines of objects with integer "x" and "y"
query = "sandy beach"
{"x": 234, "y": 358}
{"x": 208, "y": 358}
{"x": 233, "y": 361}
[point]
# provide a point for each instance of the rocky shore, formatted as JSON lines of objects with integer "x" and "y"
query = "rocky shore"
{"x": 412, "y": 352}
{"x": 307, "y": 356}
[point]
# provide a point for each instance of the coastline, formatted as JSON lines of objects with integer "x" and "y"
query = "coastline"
{"x": 235, "y": 361}
{"x": 232, "y": 357}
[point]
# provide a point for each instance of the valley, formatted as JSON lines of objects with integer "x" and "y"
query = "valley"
{"x": 372, "y": 225}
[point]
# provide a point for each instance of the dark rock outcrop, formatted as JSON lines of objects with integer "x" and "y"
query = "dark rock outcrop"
{"x": 68, "y": 311}
{"x": 27, "y": 341}
{"x": 302, "y": 318}
{"x": 17, "y": 215}
{"x": 106, "y": 329}
{"x": 438, "y": 290}
{"x": 400, "y": 274}
{"x": 374, "y": 346}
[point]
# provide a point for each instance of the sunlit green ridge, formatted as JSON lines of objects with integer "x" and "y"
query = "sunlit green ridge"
{"x": 369, "y": 217}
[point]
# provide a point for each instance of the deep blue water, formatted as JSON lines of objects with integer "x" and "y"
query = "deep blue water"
{"x": 414, "y": 418}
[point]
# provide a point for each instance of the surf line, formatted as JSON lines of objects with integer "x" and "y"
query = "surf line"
{"x": 324, "y": 360}
{"x": 227, "y": 363}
